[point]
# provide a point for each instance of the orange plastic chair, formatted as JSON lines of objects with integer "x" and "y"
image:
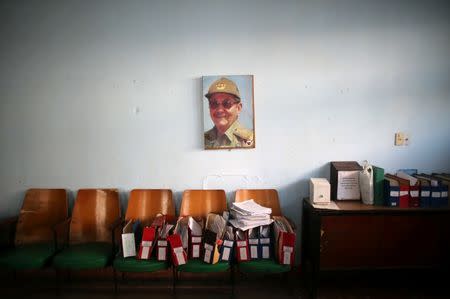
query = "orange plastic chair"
{"x": 267, "y": 198}
{"x": 35, "y": 240}
{"x": 145, "y": 204}
{"x": 199, "y": 203}
{"x": 91, "y": 237}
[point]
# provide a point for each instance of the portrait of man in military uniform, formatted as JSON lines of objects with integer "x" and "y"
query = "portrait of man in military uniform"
{"x": 228, "y": 112}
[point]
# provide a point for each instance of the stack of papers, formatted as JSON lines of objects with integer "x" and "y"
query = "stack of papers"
{"x": 248, "y": 214}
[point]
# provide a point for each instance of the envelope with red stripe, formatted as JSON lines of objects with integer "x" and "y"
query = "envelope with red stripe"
{"x": 179, "y": 256}
{"x": 284, "y": 240}
{"x": 147, "y": 243}
{"x": 242, "y": 251}
{"x": 161, "y": 243}
{"x": 195, "y": 237}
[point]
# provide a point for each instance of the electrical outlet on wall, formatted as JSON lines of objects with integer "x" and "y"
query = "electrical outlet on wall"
{"x": 401, "y": 138}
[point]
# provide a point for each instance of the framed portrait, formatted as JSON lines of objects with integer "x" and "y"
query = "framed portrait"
{"x": 228, "y": 112}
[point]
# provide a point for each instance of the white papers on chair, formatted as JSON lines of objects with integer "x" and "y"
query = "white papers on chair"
{"x": 238, "y": 214}
{"x": 248, "y": 214}
{"x": 241, "y": 224}
{"x": 250, "y": 207}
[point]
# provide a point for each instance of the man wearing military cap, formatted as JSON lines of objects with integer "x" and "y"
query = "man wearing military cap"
{"x": 225, "y": 105}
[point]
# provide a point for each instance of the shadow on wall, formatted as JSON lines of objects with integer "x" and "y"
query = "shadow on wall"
{"x": 18, "y": 199}
{"x": 71, "y": 196}
{"x": 177, "y": 197}
{"x": 291, "y": 201}
{"x": 199, "y": 103}
{"x": 123, "y": 200}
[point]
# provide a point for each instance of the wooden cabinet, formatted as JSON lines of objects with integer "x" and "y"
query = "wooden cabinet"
{"x": 358, "y": 236}
{"x": 349, "y": 243}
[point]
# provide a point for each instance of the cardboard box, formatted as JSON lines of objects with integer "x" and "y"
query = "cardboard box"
{"x": 319, "y": 190}
{"x": 344, "y": 180}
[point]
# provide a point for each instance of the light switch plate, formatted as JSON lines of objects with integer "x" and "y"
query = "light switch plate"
{"x": 401, "y": 138}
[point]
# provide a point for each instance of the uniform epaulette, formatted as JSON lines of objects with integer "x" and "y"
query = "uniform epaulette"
{"x": 244, "y": 133}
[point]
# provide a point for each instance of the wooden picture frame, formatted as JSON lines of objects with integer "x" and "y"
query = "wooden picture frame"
{"x": 228, "y": 112}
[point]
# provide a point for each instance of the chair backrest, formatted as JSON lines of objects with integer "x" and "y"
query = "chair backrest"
{"x": 145, "y": 204}
{"x": 265, "y": 197}
{"x": 93, "y": 213}
{"x": 41, "y": 210}
{"x": 199, "y": 203}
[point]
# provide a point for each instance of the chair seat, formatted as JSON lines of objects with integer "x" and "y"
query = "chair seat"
{"x": 131, "y": 264}
{"x": 199, "y": 266}
{"x": 32, "y": 256}
{"x": 84, "y": 256}
{"x": 263, "y": 266}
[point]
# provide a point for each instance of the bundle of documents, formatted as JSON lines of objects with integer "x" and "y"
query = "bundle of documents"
{"x": 128, "y": 239}
{"x": 248, "y": 214}
{"x": 214, "y": 231}
{"x": 226, "y": 251}
{"x": 161, "y": 245}
{"x": 285, "y": 240}
{"x": 195, "y": 237}
{"x": 182, "y": 229}
{"x": 242, "y": 252}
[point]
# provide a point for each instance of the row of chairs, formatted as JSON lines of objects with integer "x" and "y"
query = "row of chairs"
{"x": 44, "y": 235}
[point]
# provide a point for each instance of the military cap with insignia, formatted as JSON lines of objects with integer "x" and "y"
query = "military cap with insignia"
{"x": 224, "y": 85}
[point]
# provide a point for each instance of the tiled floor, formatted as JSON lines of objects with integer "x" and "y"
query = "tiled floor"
{"x": 366, "y": 285}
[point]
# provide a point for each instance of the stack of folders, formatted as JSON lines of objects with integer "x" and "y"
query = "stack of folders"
{"x": 434, "y": 190}
{"x": 396, "y": 190}
{"x": 214, "y": 231}
{"x": 417, "y": 190}
{"x": 161, "y": 245}
{"x": 226, "y": 250}
{"x": 182, "y": 229}
{"x": 248, "y": 214}
{"x": 414, "y": 188}
{"x": 284, "y": 236}
{"x": 195, "y": 237}
{"x": 259, "y": 242}
{"x": 444, "y": 179}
